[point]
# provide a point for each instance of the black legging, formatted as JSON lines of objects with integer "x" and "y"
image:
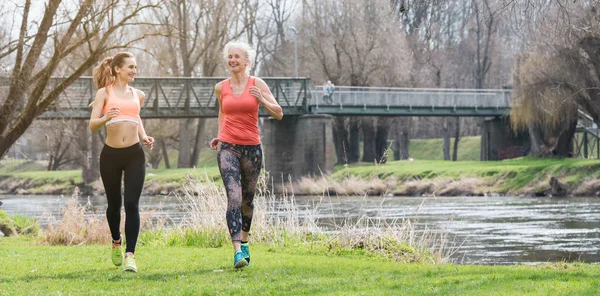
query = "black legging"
{"x": 113, "y": 162}
{"x": 240, "y": 167}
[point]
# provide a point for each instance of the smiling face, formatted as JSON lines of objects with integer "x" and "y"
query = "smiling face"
{"x": 236, "y": 60}
{"x": 128, "y": 71}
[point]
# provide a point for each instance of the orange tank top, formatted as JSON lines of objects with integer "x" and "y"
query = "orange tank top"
{"x": 129, "y": 107}
{"x": 240, "y": 122}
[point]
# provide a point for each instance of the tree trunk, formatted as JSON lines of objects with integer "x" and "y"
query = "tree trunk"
{"x": 369, "y": 136}
{"x": 89, "y": 165}
{"x": 340, "y": 139}
{"x": 50, "y": 162}
{"x": 402, "y": 138}
{"x": 84, "y": 150}
{"x": 156, "y": 154}
{"x": 381, "y": 137}
{"x": 184, "y": 144}
{"x": 198, "y": 142}
{"x": 538, "y": 145}
{"x": 396, "y": 144}
{"x": 353, "y": 145}
{"x": 446, "y": 132}
{"x": 97, "y": 143}
{"x": 456, "y": 139}
{"x": 404, "y": 145}
{"x": 564, "y": 146}
{"x": 165, "y": 153}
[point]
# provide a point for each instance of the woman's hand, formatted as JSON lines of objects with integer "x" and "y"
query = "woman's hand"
{"x": 148, "y": 141}
{"x": 213, "y": 143}
{"x": 112, "y": 113}
{"x": 257, "y": 93}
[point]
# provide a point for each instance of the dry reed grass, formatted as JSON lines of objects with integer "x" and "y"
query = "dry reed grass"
{"x": 442, "y": 187}
{"x": 279, "y": 221}
{"x": 80, "y": 225}
{"x": 399, "y": 240}
{"x": 352, "y": 185}
{"x": 588, "y": 188}
{"x": 275, "y": 220}
{"x": 462, "y": 187}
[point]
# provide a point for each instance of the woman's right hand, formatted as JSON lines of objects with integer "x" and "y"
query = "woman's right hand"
{"x": 112, "y": 113}
{"x": 213, "y": 143}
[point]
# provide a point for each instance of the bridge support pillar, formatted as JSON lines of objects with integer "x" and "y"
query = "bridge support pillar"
{"x": 499, "y": 141}
{"x": 297, "y": 146}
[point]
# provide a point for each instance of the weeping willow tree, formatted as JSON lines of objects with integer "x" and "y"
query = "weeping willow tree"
{"x": 559, "y": 75}
{"x": 544, "y": 104}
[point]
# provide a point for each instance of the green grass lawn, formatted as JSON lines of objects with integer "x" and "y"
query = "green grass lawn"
{"x": 431, "y": 149}
{"x": 30, "y": 269}
{"x": 207, "y": 158}
{"x": 178, "y": 175}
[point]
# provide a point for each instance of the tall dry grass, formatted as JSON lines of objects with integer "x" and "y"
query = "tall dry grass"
{"x": 279, "y": 220}
{"x": 352, "y": 185}
{"x": 276, "y": 220}
{"x": 80, "y": 225}
{"x": 399, "y": 240}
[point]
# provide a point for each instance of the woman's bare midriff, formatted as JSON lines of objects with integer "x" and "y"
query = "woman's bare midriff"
{"x": 122, "y": 134}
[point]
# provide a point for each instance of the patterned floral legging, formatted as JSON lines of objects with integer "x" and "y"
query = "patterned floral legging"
{"x": 239, "y": 166}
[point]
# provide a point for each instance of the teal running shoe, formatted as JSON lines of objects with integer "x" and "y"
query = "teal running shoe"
{"x": 238, "y": 260}
{"x": 246, "y": 251}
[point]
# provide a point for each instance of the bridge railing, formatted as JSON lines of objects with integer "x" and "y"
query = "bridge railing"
{"x": 194, "y": 97}
{"x": 346, "y": 96}
{"x": 173, "y": 97}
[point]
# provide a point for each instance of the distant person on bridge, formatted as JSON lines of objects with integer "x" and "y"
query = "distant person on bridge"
{"x": 119, "y": 104}
{"x": 328, "y": 89}
{"x": 239, "y": 153}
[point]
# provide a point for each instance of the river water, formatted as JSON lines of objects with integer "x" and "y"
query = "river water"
{"x": 480, "y": 230}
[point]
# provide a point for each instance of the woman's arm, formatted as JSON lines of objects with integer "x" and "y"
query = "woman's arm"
{"x": 148, "y": 141}
{"x": 96, "y": 122}
{"x": 215, "y": 141}
{"x": 220, "y": 118}
{"x": 263, "y": 95}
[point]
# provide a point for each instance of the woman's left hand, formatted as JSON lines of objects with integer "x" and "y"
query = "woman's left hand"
{"x": 257, "y": 93}
{"x": 148, "y": 141}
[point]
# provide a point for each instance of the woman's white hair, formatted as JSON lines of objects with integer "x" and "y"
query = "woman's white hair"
{"x": 249, "y": 52}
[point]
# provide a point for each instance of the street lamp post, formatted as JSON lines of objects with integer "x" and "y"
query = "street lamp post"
{"x": 293, "y": 29}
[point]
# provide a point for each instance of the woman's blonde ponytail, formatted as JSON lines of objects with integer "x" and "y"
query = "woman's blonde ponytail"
{"x": 103, "y": 74}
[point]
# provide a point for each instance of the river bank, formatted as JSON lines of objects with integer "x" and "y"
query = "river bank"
{"x": 517, "y": 177}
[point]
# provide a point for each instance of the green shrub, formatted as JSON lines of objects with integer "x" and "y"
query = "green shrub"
{"x": 25, "y": 225}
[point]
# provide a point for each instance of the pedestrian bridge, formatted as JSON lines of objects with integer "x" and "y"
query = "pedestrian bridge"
{"x": 194, "y": 97}
{"x": 388, "y": 101}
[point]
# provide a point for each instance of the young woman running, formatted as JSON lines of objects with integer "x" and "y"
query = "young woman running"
{"x": 117, "y": 106}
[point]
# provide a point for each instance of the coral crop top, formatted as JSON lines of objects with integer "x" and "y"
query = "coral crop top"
{"x": 240, "y": 122}
{"x": 129, "y": 108}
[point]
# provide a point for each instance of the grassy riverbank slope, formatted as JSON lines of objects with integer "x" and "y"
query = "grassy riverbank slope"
{"x": 523, "y": 176}
{"x": 427, "y": 174}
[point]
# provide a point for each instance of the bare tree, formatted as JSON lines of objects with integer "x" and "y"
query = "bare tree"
{"x": 96, "y": 26}
{"x": 195, "y": 31}
{"x": 61, "y": 141}
{"x": 350, "y": 41}
{"x": 402, "y": 138}
{"x": 485, "y": 27}
{"x": 272, "y": 36}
